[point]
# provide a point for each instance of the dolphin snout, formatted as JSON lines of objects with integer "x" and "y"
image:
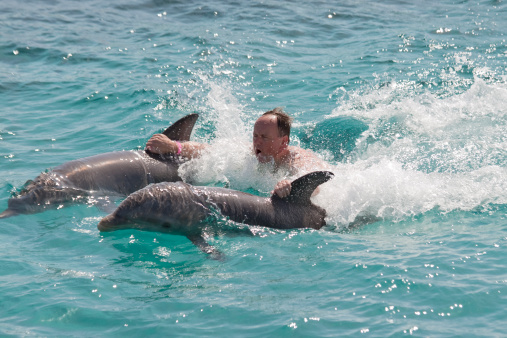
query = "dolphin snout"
{"x": 8, "y": 213}
{"x": 108, "y": 223}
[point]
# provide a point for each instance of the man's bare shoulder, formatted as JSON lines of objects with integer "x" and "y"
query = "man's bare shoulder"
{"x": 302, "y": 153}
{"x": 306, "y": 160}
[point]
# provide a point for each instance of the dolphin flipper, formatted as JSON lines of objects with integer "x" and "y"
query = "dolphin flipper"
{"x": 204, "y": 246}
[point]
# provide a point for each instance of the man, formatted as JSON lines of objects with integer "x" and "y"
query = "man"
{"x": 270, "y": 144}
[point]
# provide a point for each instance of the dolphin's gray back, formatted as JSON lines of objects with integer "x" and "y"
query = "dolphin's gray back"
{"x": 116, "y": 173}
{"x": 269, "y": 212}
{"x": 293, "y": 211}
{"x": 181, "y": 204}
{"x": 120, "y": 173}
{"x": 238, "y": 206}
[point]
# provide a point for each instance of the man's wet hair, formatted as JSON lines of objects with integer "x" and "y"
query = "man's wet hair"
{"x": 283, "y": 120}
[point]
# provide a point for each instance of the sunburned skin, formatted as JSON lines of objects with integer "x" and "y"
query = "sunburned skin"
{"x": 268, "y": 145}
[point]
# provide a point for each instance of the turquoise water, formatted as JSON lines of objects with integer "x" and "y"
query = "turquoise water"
{"x": 405, "y": 100}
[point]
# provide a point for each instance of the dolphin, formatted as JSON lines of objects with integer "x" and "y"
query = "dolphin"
{"x": 182, "y": 209}
{"x": 118, "y": 173}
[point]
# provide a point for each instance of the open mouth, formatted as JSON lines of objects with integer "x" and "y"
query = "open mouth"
{"x": 262, "y": 157}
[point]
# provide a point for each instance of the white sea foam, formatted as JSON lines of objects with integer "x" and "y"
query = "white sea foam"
{"x": 422, "y": 152}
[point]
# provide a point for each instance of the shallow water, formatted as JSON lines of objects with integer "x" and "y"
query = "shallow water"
{"x": 405, "y": 101}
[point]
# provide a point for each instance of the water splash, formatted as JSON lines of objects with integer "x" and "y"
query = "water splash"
{"x": 423, "y": 152}
{"x": 228, "y": 161}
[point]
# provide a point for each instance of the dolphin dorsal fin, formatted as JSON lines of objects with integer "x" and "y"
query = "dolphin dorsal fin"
{"x": 303, "y": 187}
{"x": 181, "y": 129}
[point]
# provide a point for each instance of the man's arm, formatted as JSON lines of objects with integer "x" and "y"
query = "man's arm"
{"x": 302, "y": 161}
{"x": 161, "y": 144}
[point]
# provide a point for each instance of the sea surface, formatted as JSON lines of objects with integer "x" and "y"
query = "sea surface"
{"x": 406, "y": 100}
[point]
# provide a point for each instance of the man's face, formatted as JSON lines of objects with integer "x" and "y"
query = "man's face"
{"x": 267, "y": 142}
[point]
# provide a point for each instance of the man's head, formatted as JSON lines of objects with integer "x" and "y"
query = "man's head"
{"x": 283, "y": 120}
{"x": 271, "y": 135}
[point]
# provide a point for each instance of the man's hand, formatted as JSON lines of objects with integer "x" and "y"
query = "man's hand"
{"x": 282, "y": 188}
{"x": 161, "y": 144}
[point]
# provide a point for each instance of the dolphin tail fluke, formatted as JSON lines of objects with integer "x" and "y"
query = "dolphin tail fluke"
{"x": 303, "y": 187}
{"x": 8, "y": 213}
{"x": 181, "y": 129}
{"x": 201, "y": 243}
